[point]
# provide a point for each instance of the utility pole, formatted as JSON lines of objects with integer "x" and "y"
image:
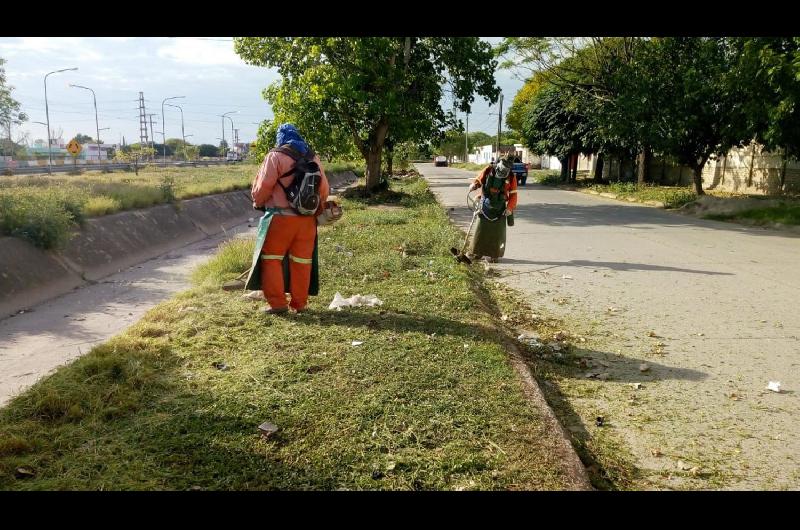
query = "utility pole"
{"x": 152, "y": 142}
{"x": 499, "y": 125}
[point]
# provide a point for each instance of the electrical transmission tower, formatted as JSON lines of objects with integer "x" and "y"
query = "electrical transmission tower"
{"x": 142, "y": 121}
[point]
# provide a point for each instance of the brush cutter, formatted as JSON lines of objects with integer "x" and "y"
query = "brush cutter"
{"x": 473, "y": 205}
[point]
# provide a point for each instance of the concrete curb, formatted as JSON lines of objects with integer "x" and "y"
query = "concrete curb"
{"x": 578, "y": 476}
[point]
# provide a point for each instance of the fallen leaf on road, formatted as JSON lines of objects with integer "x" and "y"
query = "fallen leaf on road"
{"x": 651, "y": 334}
{"x": 656, "y": 453}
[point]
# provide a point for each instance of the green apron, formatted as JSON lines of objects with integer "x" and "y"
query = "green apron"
{"x": 254, "y": 279}
{"x": 489, "y": 238}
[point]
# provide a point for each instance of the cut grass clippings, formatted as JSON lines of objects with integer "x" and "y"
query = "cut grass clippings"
{"x": 429, "y": 401}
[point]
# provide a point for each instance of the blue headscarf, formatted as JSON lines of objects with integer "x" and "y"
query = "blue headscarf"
{"x": 287, "y": 134}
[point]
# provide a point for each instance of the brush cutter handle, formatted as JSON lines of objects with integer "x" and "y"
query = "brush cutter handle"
{"x": 472, "y": 203}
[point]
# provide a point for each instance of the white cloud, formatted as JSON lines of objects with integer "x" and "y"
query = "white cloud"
{"x": 75, "y": 48}
{"x": 201, "y": 52}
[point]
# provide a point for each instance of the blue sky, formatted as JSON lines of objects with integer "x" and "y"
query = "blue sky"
{"x": 205, "y": 70}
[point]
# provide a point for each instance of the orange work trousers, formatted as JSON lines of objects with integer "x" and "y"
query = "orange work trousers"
{"x": 294, "y": 234}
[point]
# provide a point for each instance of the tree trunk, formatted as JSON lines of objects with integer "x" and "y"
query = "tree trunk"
{"x": 574, "y": 167}
{"x": 697, "y": 174}
{"x": 373, "y": 154}
{"x": 642, "y": 166}
{"x": 373, "y": 159}
{"x": 598, "y": 170}
{"x": 564, "y": 168}
{"x": 389, "y": 162}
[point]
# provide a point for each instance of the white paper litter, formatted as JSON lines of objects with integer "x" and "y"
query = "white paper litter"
{"x": 357, "y": 343}
{"x": 357, "y": 300}
{"x": 775, "y": 386}
{"x": 254, "y": 295}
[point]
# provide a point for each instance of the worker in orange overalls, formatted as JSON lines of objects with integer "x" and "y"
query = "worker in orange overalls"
{"x": 288, "y": 231}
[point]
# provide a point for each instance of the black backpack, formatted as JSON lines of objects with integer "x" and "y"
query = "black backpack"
{"x": 303, "y": 192}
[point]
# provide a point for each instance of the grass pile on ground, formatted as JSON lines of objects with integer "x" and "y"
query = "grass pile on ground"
{"x": 427, "y": 401}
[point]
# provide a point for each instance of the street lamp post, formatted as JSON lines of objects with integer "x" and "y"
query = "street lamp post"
{"x": 223, "y": 116}
{"x": 96, "y": 124}
{"x": 164, "y": 126}
{"x": 183, "y": 135}
{"x": 47, "y": 113}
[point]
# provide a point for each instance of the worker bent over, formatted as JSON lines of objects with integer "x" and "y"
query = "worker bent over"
{"x": 497, "y": 200}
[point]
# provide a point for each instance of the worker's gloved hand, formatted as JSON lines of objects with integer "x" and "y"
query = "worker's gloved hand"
{"x": 507, "y": 212}
{"x": 474, "y": 186}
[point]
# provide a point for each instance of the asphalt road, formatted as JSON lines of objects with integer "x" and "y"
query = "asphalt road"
{"x": 721, "y": 298}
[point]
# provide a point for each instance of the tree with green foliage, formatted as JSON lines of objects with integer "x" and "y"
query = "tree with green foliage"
{"x": 208, "y": 150}
{"x": 692, "y": 92}
{"x": 370, "y": 87}
{"x": 556, "y": 124}
{"x": 452, "y": 145}
{"x": 479, "y": 138}
{"x": 83, "y": 139}
{"x": 770, "y": 69}
{"x": 9, "y": 112}
{"x": 516, "y": 112}
{"x": 134, "y": 154}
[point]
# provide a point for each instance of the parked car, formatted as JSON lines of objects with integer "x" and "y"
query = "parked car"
{"x": 440, "y": 161}
{"x": 520, "y": 170}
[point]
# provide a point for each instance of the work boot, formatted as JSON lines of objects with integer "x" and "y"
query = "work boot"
{"x": 275, "y": 310}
